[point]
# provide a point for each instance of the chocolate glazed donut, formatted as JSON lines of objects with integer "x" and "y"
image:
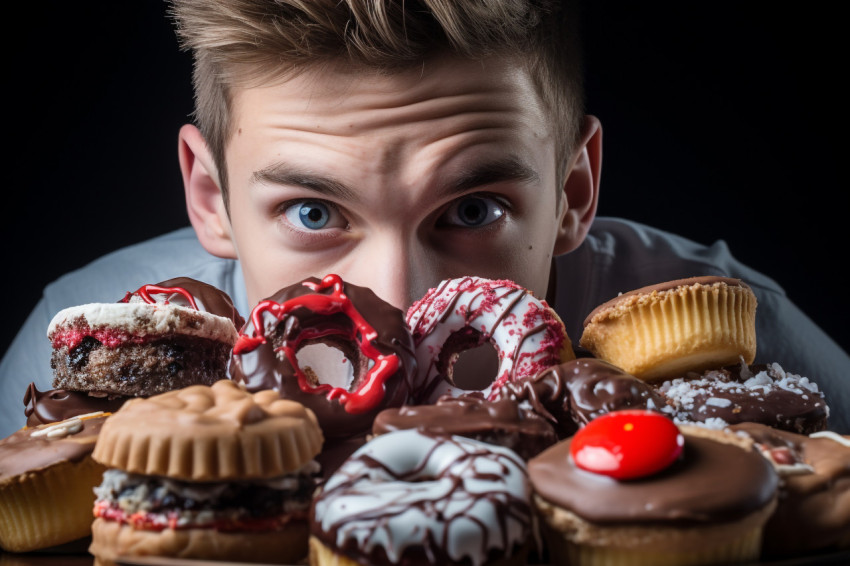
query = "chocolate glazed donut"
{"x": 370, "y": 333}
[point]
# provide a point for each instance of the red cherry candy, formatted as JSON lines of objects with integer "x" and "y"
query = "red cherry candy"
{"x": 627, "y": 444}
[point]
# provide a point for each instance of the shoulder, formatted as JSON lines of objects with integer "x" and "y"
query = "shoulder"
{"x": 111, "y": 276}
{"x": 619, "y": 255}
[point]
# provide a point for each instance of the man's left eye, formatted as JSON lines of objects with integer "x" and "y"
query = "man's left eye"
{"x": 473, "y": 212}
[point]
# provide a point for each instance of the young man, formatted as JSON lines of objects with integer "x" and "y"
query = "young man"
{"x": 397, "y": 144}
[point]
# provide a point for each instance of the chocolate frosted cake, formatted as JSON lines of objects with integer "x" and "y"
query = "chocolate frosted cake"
{"x": 761, "y": 393}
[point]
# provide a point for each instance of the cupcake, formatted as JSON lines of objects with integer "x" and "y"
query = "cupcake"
{"x": 668, "y": 329}
{"x": 206, "y": 472}
{"x": 631, "y": 487}
{"x": 46, "y": 479}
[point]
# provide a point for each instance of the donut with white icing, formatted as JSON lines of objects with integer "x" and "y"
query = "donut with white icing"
{"x": 407, "y": 495}
{"x": 464, "y": 313}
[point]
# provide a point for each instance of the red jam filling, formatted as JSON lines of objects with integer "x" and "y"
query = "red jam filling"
{"x": 142, "y": 520}
{"x": 370, "y": 392}
{"x": 627, "y": 444}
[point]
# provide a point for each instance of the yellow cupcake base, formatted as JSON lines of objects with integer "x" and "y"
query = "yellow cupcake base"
{"x": 48, "y": 507}
{"x": 663, "y": 334}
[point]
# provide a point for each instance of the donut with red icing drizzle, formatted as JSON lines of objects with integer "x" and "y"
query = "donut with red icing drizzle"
{"x": 464, "y": 313}
{"x": 367, "y": 364}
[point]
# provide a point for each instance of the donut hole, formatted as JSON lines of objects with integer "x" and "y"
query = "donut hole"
{"x": 469, "y": 361}
{"x": 337, "y": 363}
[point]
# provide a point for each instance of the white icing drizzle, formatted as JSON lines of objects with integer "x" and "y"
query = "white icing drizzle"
{"x": 843, "y": 440}
{"x": 403, "y": 488}
{"x": 517, "y": 324}
{"x": 61, "y": 429}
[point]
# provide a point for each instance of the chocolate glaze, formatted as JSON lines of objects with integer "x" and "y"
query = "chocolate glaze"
{"x": 597, "y": 387}
{"x": 261, "y": 368}
{"x": 59, "y": 404}
{"x": 22, "y": 452}
{"x": 734, "y": 399}
{"x": 665, "y": 286}
{"x": 501, "y": 422}
{"x": 711, "y": 482}
{"x": 208, "y": 298}
{"x": 573, "y": 393}
{"x": 813, "y": 513}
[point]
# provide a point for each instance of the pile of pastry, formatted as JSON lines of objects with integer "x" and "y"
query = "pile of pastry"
{"x": 330, "y": 427}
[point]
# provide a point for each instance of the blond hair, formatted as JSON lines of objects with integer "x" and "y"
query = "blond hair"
{"x": 235, "y": 42}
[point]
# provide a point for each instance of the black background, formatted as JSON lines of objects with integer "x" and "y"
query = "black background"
{"x": 722, "y": 120}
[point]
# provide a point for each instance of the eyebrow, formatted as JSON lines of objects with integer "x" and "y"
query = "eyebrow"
{"x": 284, "y": 174}
{"x": 509, "y": 168}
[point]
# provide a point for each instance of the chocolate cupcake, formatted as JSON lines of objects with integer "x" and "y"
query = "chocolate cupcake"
{"x": 46, "y": 479}
{"x": 631, "y": 487}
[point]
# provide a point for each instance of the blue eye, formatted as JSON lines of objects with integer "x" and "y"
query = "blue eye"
{"x": 313, "y": 215}
{"x": 473, "y": 212}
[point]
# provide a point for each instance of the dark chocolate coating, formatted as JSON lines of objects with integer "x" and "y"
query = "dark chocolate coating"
{"x": 573, "y": 393}
{"x": 261, "y": 368}
{"x": 502, "y": 422}
{"x": 711, "y": 482}
{"x": 59, "y": 404}
{"x": 208, "y": 298}
{"x": 802, "y": 411}
{"x": 813, "y": 512}
{"x": 22, "y": 452}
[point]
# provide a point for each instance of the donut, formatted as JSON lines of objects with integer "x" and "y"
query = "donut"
{"x": 631, "y": 487}
{"x": 158, "y": 338}
{"x": 335, "y": 347}
{"x": 665, "y": 330}
{"x": 206, "y": 472}
{"x": 409, "y": 497}
{"x": 504, "y": 422}
{"x": 464, "y": 313}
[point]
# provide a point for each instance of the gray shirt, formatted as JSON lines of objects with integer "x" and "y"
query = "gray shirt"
{"x": 617, "y": 256}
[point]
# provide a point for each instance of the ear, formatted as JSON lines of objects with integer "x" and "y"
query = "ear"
{"x": 581, "y": 188}
{"x": 204, "y": 200}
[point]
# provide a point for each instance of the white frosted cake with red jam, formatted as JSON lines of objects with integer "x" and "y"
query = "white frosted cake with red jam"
{"x": 158, "y": 338}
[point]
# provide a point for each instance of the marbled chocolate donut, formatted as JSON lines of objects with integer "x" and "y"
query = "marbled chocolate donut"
{"x": 335, "y": 347}
{"x": 464, "y": 313}
{"x": 411, "y": 498}
{"x": 503, "y": 422}
{"x": 575, "y": 392}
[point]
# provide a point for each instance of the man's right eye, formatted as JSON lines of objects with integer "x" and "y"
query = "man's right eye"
{"x": 314, "y": 215}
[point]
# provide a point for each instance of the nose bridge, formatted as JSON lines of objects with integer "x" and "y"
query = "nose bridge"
{"x": 392, "y": 265}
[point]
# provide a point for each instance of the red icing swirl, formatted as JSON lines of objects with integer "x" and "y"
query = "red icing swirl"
{"x": 370, "y": 391}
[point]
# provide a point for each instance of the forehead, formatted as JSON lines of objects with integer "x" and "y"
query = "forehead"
{"x": 340, "y": 100}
